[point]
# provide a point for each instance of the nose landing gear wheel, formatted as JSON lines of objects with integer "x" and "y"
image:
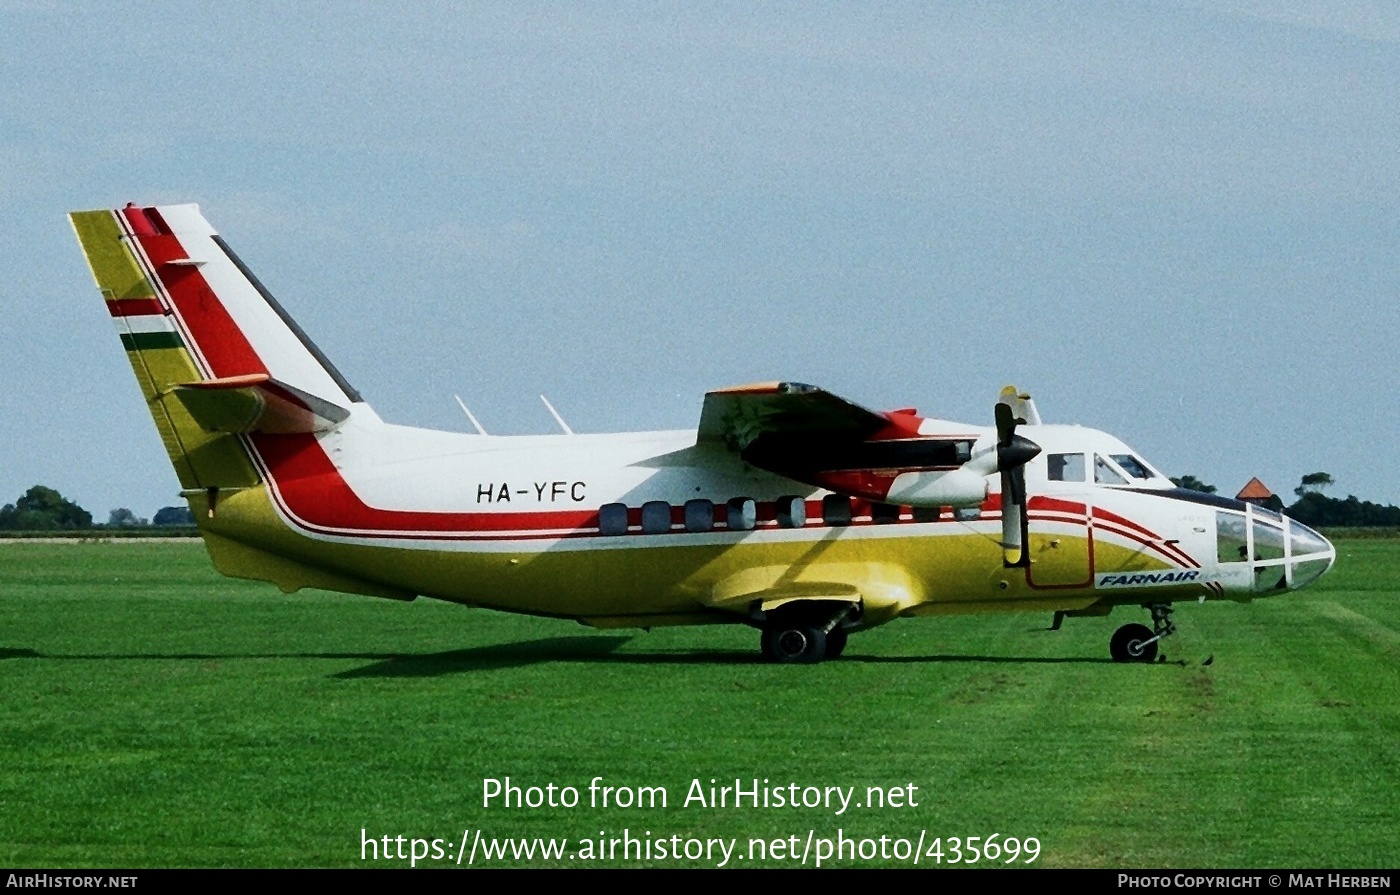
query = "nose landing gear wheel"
{"x": 1130, "y": 644}
{"x": 793, "y": 644}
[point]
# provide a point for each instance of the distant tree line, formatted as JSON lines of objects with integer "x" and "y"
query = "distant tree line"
{"x": 43, "y": 509}
{"x": 1316, "y": 509}
{"x": 1320, "y": 510}
{"x": 1191, "y": 483}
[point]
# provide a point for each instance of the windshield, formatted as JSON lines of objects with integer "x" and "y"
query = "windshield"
{"x": 1105, "y": 474}
{"x": 1133, "y": 466}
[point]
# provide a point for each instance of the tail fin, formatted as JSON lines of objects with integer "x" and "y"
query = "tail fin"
{"x": 212, "y": 350}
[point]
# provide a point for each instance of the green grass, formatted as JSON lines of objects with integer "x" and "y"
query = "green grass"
{"x": 154, "y": 714}
{"x": 145, "y": 532}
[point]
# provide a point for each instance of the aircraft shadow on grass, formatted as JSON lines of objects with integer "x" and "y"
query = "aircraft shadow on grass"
{"x": 603, "y": 649}
{"x": 484, "y": 658}
{"x": 581, "y": 648}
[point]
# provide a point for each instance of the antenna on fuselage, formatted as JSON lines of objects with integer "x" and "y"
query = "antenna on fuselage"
{"x": 462, "y": 405}
{"x": 557, "y": 418}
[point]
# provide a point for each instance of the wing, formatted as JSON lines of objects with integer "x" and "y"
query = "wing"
{"x": 738, "y": 417}
{"x": 812, "y": 436}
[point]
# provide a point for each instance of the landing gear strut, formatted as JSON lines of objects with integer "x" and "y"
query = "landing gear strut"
{"x": 1136, "y": 643}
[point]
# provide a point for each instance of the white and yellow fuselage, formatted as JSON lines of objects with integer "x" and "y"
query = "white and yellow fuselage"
{"x": 295, "y": 480}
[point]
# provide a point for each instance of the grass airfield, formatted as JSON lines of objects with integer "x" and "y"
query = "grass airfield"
{"x": 154, "y": 714}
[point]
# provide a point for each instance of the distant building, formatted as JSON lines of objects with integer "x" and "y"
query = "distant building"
{"x": 1257, "y": 493}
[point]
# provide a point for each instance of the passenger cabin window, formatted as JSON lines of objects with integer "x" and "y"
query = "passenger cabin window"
{"x": 1065, "y": 467}
{"x": 792, "y": 512}
{"x": 1133, "y": 466}
{"x": 612, "y": 519}
{"x": 656, "y": 517}
{"x": 836, "y": 509}
{"x": 1105, "y": 474}
{"x": 699, "y": 515}
{"x": 927, "y": 514}
{"x": 884, "y": 513}
{"x": 741, "y": 514}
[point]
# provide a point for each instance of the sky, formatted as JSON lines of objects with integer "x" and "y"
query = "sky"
{"x": 1177, "y": 222}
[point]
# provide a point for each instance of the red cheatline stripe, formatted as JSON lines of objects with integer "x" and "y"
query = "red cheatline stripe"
{"x": 1169, "y": 551}
{"x": 1055, "y": 504}
{"x": 1124, "y": 527}
{"x": 137, "y": 220}
{"x": 1101, "y": 514}
{"x": 135, "y": 307}
{"x": 313, "y": 490}
{"x": 210, "y": 327}
{"x": 1107, "y": 521}
{"x": 1039, "y": 502}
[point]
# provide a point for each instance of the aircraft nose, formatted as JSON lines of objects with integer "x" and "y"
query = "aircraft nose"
{"x": 1311, "y": 554}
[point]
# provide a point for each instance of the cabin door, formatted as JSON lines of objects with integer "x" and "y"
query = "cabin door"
{"x": 1061, "y": 543}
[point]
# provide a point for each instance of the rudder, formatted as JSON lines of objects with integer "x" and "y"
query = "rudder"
{"x": 191, "y": 316}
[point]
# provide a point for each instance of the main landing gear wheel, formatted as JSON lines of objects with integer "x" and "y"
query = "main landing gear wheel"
{"x": 836, "y": 642}
{"x": 1133, "y": 643}
{"x": 807, "y": 632}
{"x": 795, "y": 644}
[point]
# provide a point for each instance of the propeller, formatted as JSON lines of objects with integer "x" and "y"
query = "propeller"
{"x": 1013, "y": 453}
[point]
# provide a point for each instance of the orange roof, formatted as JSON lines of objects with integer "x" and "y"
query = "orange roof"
{"x": 1255, "y": 490}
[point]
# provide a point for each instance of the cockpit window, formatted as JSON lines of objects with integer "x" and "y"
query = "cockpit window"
{"x": 1065, "y": 467}
{"x": 1231, "y": 539}
{"x": 1266, "y": 513}
{"x": 1105, "y": 474}
{"x": 1268, "y": 541}
{"x": 1133, "y": 466}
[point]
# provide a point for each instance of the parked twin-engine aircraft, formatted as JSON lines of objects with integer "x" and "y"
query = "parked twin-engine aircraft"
{"x": 788, "y": 509}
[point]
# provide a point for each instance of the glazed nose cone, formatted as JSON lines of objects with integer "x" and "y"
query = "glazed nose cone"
{"x": 1312, "y": 554}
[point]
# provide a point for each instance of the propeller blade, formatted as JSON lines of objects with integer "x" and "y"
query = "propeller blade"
{"x": 1013, "y": 516}
{"x": 1013, "y": 453}
{"x": 1006, "y": 423}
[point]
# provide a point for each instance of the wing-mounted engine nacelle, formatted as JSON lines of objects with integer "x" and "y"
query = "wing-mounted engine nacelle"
{"x": 969, "y": 484}
{"x": 966, "y": 485}
{"x": 961, "y": 487}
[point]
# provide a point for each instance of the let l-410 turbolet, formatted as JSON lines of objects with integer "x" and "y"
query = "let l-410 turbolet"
{"x": 788, "y": 509}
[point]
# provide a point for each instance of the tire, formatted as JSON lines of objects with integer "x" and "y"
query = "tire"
{"x": 836, "y": 643}
{"x": 1127, "y": 644}
{"x": 794, "y": 644}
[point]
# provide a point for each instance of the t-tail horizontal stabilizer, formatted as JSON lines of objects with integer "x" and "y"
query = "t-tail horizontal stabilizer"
{"x": 257, "y": 403}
